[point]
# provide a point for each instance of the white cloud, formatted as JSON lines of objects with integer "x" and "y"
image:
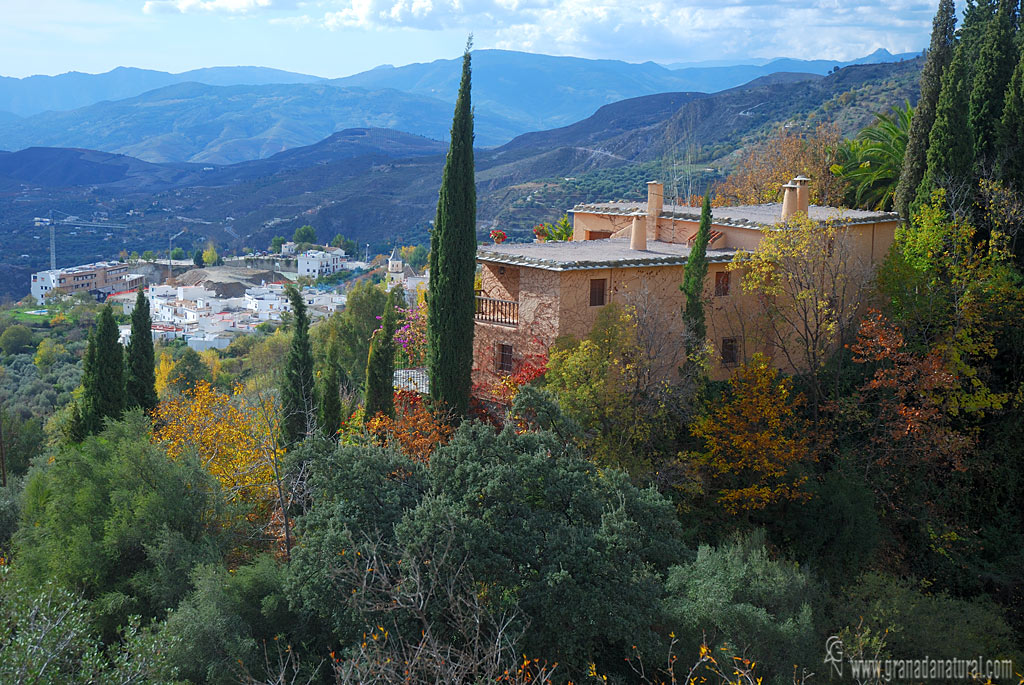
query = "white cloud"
{"x": 657, "y": 29}
{"x": 183, "y": 6}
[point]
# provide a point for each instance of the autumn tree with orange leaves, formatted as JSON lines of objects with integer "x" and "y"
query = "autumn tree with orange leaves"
{"x": 416, "y": 430}
{"x": 755, "y": 443}
{"x": 906, "y": 397}
{"x": 766, "y": 166}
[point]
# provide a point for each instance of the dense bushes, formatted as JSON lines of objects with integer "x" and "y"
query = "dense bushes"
{"x": 114, "y": 519}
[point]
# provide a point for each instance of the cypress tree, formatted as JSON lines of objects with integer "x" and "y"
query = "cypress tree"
{"x": 380, "y": 367}
{"x": 694, "y": 273}
{"x": 140, "y": 378}
{"x": 940, "y": 52}
{"x": 991, "y": 75}
{"x": 950, "y": 146}
{"x": 298, "y": 395}
{"x": 103, "y": 375}
{"x": 453, "y": 263}
{"x": 330, "y": 397}
{"x": 978, "y": 14}
{"x": 1012, "y": 131}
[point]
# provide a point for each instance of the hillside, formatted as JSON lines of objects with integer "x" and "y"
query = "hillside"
{"x": 64, "y": 167}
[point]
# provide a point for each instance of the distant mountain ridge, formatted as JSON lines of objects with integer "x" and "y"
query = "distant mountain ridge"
{"x": 813, "y": 66}
{"x": 34, "y": 94}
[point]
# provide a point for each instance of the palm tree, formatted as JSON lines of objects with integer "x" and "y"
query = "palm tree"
{"x": 872, "y": 161}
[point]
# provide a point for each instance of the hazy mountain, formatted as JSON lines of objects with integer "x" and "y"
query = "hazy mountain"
{"x": 226, "y": 124}
{"x": 812, "y": 66}
{"x": 542, "y": 91}
{"x": 34, "y": 94}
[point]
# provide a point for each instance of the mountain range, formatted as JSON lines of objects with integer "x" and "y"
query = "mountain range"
{"x": 380, "y": 186}
{"x": 226, "y": 124}
{"x": 232, "y": 114}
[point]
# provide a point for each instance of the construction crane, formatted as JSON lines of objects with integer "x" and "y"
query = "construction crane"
{"x": 169, "y": 240}
{"x": 68, "y": 220}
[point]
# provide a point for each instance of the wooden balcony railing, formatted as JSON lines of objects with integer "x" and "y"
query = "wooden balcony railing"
{"x": 505, "y": 312}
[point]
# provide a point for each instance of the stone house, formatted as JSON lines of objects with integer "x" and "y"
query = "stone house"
{"x": 634, "y": 254}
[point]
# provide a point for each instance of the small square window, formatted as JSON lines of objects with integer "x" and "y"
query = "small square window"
{"x": 504, "y": 358}
{"x": 597, "y": 290}
{"x": 730, "y": 351}
{"x": 722, "y": 283}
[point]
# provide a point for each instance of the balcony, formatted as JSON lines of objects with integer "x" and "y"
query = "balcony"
{"x": 502, "y": 312}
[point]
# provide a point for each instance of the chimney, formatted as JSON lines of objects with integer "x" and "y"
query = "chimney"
{"x": 655, "y": 191}
{"x": 789, "y": 200}
{"x": 803, "y": 193}
{"x": 637, "y": 237}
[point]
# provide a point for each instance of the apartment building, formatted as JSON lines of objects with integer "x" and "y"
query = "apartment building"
{"x": 100, "y": 279}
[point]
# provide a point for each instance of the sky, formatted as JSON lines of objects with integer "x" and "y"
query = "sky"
{"x": 334, "y": 38}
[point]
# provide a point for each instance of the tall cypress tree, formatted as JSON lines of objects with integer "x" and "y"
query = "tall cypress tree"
{"x": 298, "y": 394}
{"x": 997, "y": 56}
{"x": 330, "y": 398}
{"x": 103, "y": 375}
{"x": 940, "y": 52}
{"x": 950, "y": 146}
{"x": 694, "y": 273}
{"x": 140, "y": 378}
{"x": 978, "y": 14}
{"x": 1012, "y": 131}
{"x": 380, "y": 367}
{"x": 453, "y": 263}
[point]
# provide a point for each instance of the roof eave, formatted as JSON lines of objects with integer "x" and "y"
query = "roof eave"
{"x": 551, "y": 265}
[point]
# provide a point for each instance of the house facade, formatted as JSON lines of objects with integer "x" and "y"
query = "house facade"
{"x": 317, "y": 263}
{"x": 634, "y": 254}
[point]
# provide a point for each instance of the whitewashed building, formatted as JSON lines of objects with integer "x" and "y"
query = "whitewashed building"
{"x": 317, "y": 263}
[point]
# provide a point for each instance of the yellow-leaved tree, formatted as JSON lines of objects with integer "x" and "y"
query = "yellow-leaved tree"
{"x": 811, "y": 282}
{"x": 163, "y": 372}
{"x": 754, "y": 441}
{"x": 234, "y": 437}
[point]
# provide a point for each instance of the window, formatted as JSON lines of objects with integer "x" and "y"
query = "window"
{"x": 729, "y": 351}
{"x": 721, "y": 283}
{"x": 505, "y": 358}
{"x": 597, "y": 288}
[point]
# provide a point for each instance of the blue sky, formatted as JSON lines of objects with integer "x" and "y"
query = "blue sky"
{"x": 340, "y": 37}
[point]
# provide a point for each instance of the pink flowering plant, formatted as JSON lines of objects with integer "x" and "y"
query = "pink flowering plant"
{"x": 498, "y": 236}
{"x": 411, "y": 337}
